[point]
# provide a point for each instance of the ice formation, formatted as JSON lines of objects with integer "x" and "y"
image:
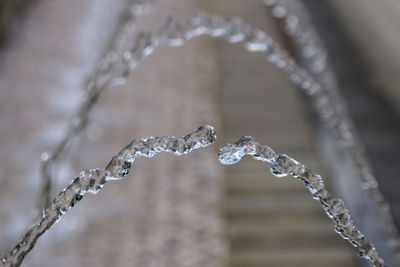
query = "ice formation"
{"x": 283, "y": 165}
{"x": 93, "y": 180}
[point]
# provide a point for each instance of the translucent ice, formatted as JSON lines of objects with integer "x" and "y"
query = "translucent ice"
{"x": 93, "y": 180}
{"x": 283, "y": 165}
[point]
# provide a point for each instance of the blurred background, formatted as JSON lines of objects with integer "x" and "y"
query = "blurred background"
{"x": 191, "y": 210}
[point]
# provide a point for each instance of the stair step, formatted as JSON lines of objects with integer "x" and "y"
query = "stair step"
{"x": 302, "y": 256}
{"x": 250, "y": 204}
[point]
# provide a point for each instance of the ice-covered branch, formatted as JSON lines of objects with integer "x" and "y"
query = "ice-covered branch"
{"x": 93, "y": 180}
{"x": 175, "y": 32}
{"x": 314, "y": 57}
{"x": 95, "y": 85}
{"x": 282, "y": 165}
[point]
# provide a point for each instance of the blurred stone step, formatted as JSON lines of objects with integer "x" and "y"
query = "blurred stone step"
{"x": 265, "y": 229}
{"x": 277, "y": 217}
{"x": 292, "y": 241}
{"x": 271, "y": 203}
{"x": 300, "y": 257}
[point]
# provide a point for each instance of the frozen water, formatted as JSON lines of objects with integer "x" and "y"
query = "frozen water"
{"x": 93, "y": 180}
{"x": 283, "y": 165}
{"x": 314, "y": 57}
{"x": 116, "y": 66}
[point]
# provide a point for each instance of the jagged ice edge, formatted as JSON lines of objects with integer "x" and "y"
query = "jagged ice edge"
{"x": 282, "y": 165}
{"x": 93, "y": 180}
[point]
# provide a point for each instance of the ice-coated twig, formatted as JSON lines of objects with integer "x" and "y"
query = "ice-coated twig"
{"x": 314, "y": 57}
{"x": 177, "y": 30}
{"x": 99, "y": 80}
{"x": 282, "y": 165}
{"x": 94, "y": 179}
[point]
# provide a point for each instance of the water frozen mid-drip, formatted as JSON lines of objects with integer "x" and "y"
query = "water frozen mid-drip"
{"x": 93, "y": 180}
{"x": 283, "y": 165}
